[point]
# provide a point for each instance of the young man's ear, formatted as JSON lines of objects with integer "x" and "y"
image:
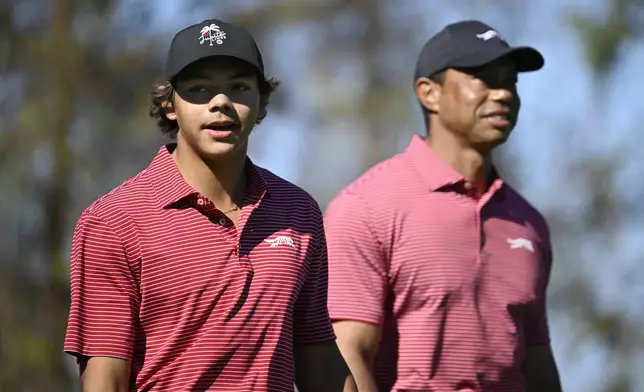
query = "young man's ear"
{"x": 263, "y": 103}
{"x": 168, "y": 108}
{"x": 428, "y": 93}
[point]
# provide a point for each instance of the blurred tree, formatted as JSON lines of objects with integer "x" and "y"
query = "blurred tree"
{"x": 76, "y": 82}
{"x": 616, "y": 328}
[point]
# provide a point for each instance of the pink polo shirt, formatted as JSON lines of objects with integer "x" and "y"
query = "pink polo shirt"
{"x": 457, "y": 283}
{"x": 162, "y": 278}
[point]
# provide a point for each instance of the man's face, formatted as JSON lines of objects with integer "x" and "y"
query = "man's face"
{"x": 480, "y": 105}
{"x": 216, "y": 104}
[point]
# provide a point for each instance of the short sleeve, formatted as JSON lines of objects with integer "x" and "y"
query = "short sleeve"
{"x": 358, "y": 272}
{"x": 537, "y": 331}
{"x": 104, "y": 292}
{"x": 312, "y": 323}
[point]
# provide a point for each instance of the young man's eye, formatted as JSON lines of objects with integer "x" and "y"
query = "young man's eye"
{"x": 197, "y": 89}
{"x": 240, "y": 87}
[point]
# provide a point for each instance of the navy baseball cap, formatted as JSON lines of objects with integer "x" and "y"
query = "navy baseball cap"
{"x": 469, "y": 44}
{"x": 211, "y": 37}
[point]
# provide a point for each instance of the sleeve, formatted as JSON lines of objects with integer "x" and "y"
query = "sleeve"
{"x": 537, "y": 331}
{"x": 104, "y": 293}
{"x": 358, "y": 271}
{"x": 312, "y": 323}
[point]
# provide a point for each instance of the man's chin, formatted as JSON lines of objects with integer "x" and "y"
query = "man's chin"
{"x": 492, "y": 138}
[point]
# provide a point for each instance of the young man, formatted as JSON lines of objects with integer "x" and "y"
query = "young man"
{"x": 204, "y": 272}
{"x": 436, "y": 266}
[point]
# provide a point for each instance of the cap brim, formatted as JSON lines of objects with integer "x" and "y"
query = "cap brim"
{"x": 525, "y": 58}
{"x": 172, "y": 75}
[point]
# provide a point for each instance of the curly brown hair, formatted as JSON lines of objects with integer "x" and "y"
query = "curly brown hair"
{"x": 162, "y": 92}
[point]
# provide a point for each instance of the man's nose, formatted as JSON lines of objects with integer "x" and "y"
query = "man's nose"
{"x": 503, "y": 94}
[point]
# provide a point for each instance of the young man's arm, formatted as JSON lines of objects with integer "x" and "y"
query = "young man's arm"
{"x": 540, "y": 370}
{"x": 104, "y": 305}
{"x": 539, "y": 366}
{"x": 358, "y": 286}
{"x": 319, "y": 366}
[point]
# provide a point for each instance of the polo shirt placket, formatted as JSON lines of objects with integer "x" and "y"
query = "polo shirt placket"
{"x": 226, "y": 228}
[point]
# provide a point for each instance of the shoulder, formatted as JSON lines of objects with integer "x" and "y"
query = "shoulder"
{"x": 377, "y": 189}
{"x": 382, "y": 177}
{"x": 115, "y": 207}
{"x": 293, "y": 205}
{"x": 287, "y": 193}
{"x": 366, "y": 208}
{"x": 528, "y": 213}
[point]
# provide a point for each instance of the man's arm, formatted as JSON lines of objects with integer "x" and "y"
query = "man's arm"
{"x": 358, "y": 343}
{"x": 104, "y": 305}
{"x": 320, "y": 368}
{"x": 540, "y": 370}
{"x": 358, "y": 285}
{"x": 104, "y": 374}
{"x": 539, "y": 367}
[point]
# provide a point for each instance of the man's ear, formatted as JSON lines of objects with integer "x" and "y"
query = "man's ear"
{"x": 168, "y": 108}
{"x": 428, "y": 93}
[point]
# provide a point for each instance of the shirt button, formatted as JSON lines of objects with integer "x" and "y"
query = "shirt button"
{"x": 467, "y": 185}
{"x": 200, "y": 201}
{"x": 222, "y": 221}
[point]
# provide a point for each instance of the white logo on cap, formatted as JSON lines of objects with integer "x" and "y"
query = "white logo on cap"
{"x": 488, "y": 35}
{"x": 212, "y": 34}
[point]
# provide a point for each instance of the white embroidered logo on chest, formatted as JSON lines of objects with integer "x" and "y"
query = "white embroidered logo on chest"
{"x": 280, "y": 240}
{"x": 519, "y": 243}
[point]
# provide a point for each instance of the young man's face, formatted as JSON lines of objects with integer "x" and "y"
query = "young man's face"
{"x": 216, "y": 104}
{"x": 481, "y": 105}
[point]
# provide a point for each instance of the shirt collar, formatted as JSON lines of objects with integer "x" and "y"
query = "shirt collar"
{"x": 436, "y": 173}
{"x": 171, "y": 187}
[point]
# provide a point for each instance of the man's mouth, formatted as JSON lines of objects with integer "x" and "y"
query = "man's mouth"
{"x": 500, "y": 118}
{"x": 499, "y": 115}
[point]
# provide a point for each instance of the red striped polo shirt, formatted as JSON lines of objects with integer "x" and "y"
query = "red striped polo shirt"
{"x": 457, "y": 282}
{"x": 160, "y": 277}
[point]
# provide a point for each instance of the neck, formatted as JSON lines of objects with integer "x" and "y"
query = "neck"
{"x": 221, "y": 180}
{"x": 469, "y": 162}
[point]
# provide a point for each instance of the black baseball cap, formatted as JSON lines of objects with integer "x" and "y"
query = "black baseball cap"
{"x": 211, "y": 37}
{"x": 469, "y": 44}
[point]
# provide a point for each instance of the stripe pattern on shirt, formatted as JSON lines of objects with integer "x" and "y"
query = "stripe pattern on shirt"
{"x": 161, "y": 277}
{"x": 456, "y": 282}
